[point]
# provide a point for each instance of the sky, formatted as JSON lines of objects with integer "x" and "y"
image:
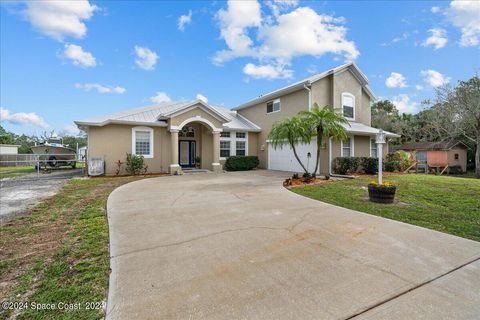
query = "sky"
{"x": 62, "y": 61}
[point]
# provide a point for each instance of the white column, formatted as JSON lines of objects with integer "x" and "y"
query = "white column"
{"x": 174, "y": 166}
{"x": 380, "y": 162}
{"x": 216, "y": 166}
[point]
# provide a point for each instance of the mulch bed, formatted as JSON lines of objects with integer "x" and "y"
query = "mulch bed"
{"x": 288, "y": 183}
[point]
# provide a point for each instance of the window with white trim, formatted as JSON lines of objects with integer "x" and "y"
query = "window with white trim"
{"x": 224, "y": 149}
{"x": 348, "y": 105}
{"x": 240, "y": 148}
{"x": 273, "y": 106}
{"x": 373, "y": 149}
{"x": 142, "y": 141}
{"x": 233, "y": 143}
{"x": 347, "y": 148}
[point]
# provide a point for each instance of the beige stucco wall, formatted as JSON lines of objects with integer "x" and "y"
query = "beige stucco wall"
{"x": 346, "y": 82}
{"x": 113, "y": 142}
{"x": 462, "y": 158}
{"x": 322, "y": 92}
{"x": 197, "y": 111}
{"x": 291, "y": 105}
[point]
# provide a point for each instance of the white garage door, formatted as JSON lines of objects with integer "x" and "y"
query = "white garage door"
{"x": 284, "y": 160}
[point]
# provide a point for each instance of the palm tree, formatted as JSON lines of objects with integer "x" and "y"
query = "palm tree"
{"x": 324, "y": 122}
{"x": 292, "y": 130}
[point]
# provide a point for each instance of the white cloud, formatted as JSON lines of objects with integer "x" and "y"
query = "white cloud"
{"x": 160, "y": 97}
{"x": 100, "y": 88}
{"x": 58, "y": 19}
{"x": 202, "y": 97}
{"x": 403, "y": 104}
{"x": 69, "y": 130}
{"x": 434, "y": 78}
{"x": 79, "y": 57}
{"x": 419, "y": 87}
{"x": 280, "y": 38}
{"x": 465, "y": 16}
{"x": 278, "y": 6}
{"x": 22, "y": 118}
{"x": 184, "y": 19}
{"x": 396, "y": 80}
{"x": 435, "y": 9}
{"x": 267, "y": 71}
{"x": 146, "y": 58}
{"x": 438, "y": 38}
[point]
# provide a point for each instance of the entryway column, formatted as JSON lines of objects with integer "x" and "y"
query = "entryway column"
{"x": 174, "y": 166}
{"x": 216, "y": 166}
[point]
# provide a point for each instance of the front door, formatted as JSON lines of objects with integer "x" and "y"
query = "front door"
{"x": 186, "y": 153}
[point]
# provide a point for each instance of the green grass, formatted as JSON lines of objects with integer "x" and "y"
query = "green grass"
{"x": 446, "y": 204}
{"x": 74, "y": 266}
{"x": 6, "y": 172}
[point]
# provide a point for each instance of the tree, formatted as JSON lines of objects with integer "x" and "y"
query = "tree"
{"x": 384, "y": 115}
{"x": 292, "y": 131}
{"x": 456, "y": 113}
{"x": 324, "y": 122}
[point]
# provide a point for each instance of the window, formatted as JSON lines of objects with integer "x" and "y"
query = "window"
{"x": 273, "y": 106}
{"x": 224, "y": 149}
{"x": 225, "y": 134}
{"x": 187, "y": 132}
{"x": 373, "y": 149}
{"x": 240, "y": 135}
{"x": 240, "y": 150}
{"x": 142, "y": 141}
{"x": 456, "y": 156}
{"x": 347, "y": 148}
{"x": 348, "y": 106}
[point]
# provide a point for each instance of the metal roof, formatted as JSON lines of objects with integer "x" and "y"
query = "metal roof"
{"x": 153, "y": 115}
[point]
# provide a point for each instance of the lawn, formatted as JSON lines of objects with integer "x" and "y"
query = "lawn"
{"x": 6, "y": 172}
{"x": 58, "y": 252}
{"x": 446, "y": 204}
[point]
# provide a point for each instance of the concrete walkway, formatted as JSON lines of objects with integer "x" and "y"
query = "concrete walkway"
{"x": 240, "y": 246}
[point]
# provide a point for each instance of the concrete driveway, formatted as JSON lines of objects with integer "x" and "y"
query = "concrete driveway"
{"x": 240, "y": 246}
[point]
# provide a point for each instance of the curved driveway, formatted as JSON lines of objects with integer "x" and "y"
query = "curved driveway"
{"x": 240, "y": 246}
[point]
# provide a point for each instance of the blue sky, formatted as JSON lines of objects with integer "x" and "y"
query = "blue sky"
{"x": 62, "y": 62}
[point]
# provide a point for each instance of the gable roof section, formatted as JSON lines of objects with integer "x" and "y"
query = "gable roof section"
{"x": 359, "y": 75}
{"x": 158, "y": 114}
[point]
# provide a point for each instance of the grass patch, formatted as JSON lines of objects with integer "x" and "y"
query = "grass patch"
{"x": 7, "y": 172}
{"x": 447, "y": 204}
{"x": 59, "y": 252}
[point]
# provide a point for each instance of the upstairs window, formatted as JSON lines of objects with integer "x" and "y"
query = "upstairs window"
{"x": 348, "y": 106}
{"x": 142, "y": 141}
{"x": 273, "y": 106}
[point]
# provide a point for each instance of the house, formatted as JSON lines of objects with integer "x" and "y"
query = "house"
{"x": 9, "y": 148}
{"x": 449, "y": 155}
{"x": 173, "y": 135}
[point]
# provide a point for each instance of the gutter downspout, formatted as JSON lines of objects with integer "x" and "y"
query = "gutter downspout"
{"x": 307, "y": 87}
{"x": 330, "y": 163}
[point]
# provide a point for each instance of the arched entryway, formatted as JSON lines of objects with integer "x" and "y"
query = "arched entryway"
{"x": 195, "y": 138}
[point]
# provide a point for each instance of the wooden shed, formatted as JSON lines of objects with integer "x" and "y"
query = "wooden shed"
{"x": 438, "y": 156}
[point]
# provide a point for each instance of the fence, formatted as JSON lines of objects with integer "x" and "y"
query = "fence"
{"x": 13, "y": 160}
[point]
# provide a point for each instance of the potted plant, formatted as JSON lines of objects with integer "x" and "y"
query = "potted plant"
{"x": 381, "y": 193}
{"x": 197, "y": 162}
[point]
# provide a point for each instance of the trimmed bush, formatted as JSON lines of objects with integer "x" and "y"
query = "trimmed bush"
{"x": 369, "y": 165}
{"x": 241, "y": 163}
{"x": 344, "y": 165}
{"x": 391, "y": 166}
{"x": 134, "y": 164}
{"x": 402, "y": 158}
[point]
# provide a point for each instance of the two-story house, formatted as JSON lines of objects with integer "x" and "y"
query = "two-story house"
{"x": 175, "y": 135}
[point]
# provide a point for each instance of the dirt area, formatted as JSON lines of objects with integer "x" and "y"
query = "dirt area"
{"x": 18, "y": 194}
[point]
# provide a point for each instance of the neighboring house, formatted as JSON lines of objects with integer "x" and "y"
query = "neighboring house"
{"x": 171, "y": 135}
{"x": 438, "y": 155}
{"x": 9, "y": 148}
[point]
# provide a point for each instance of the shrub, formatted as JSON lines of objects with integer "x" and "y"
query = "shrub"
{"x": 391, "y": 166}
{"x": 241, "y": 163}
{"x": 369, "y": 165}
{"x": 344, "y": 165}
{"x": 134, "y": 164}
{"x": 402, "y": 158}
